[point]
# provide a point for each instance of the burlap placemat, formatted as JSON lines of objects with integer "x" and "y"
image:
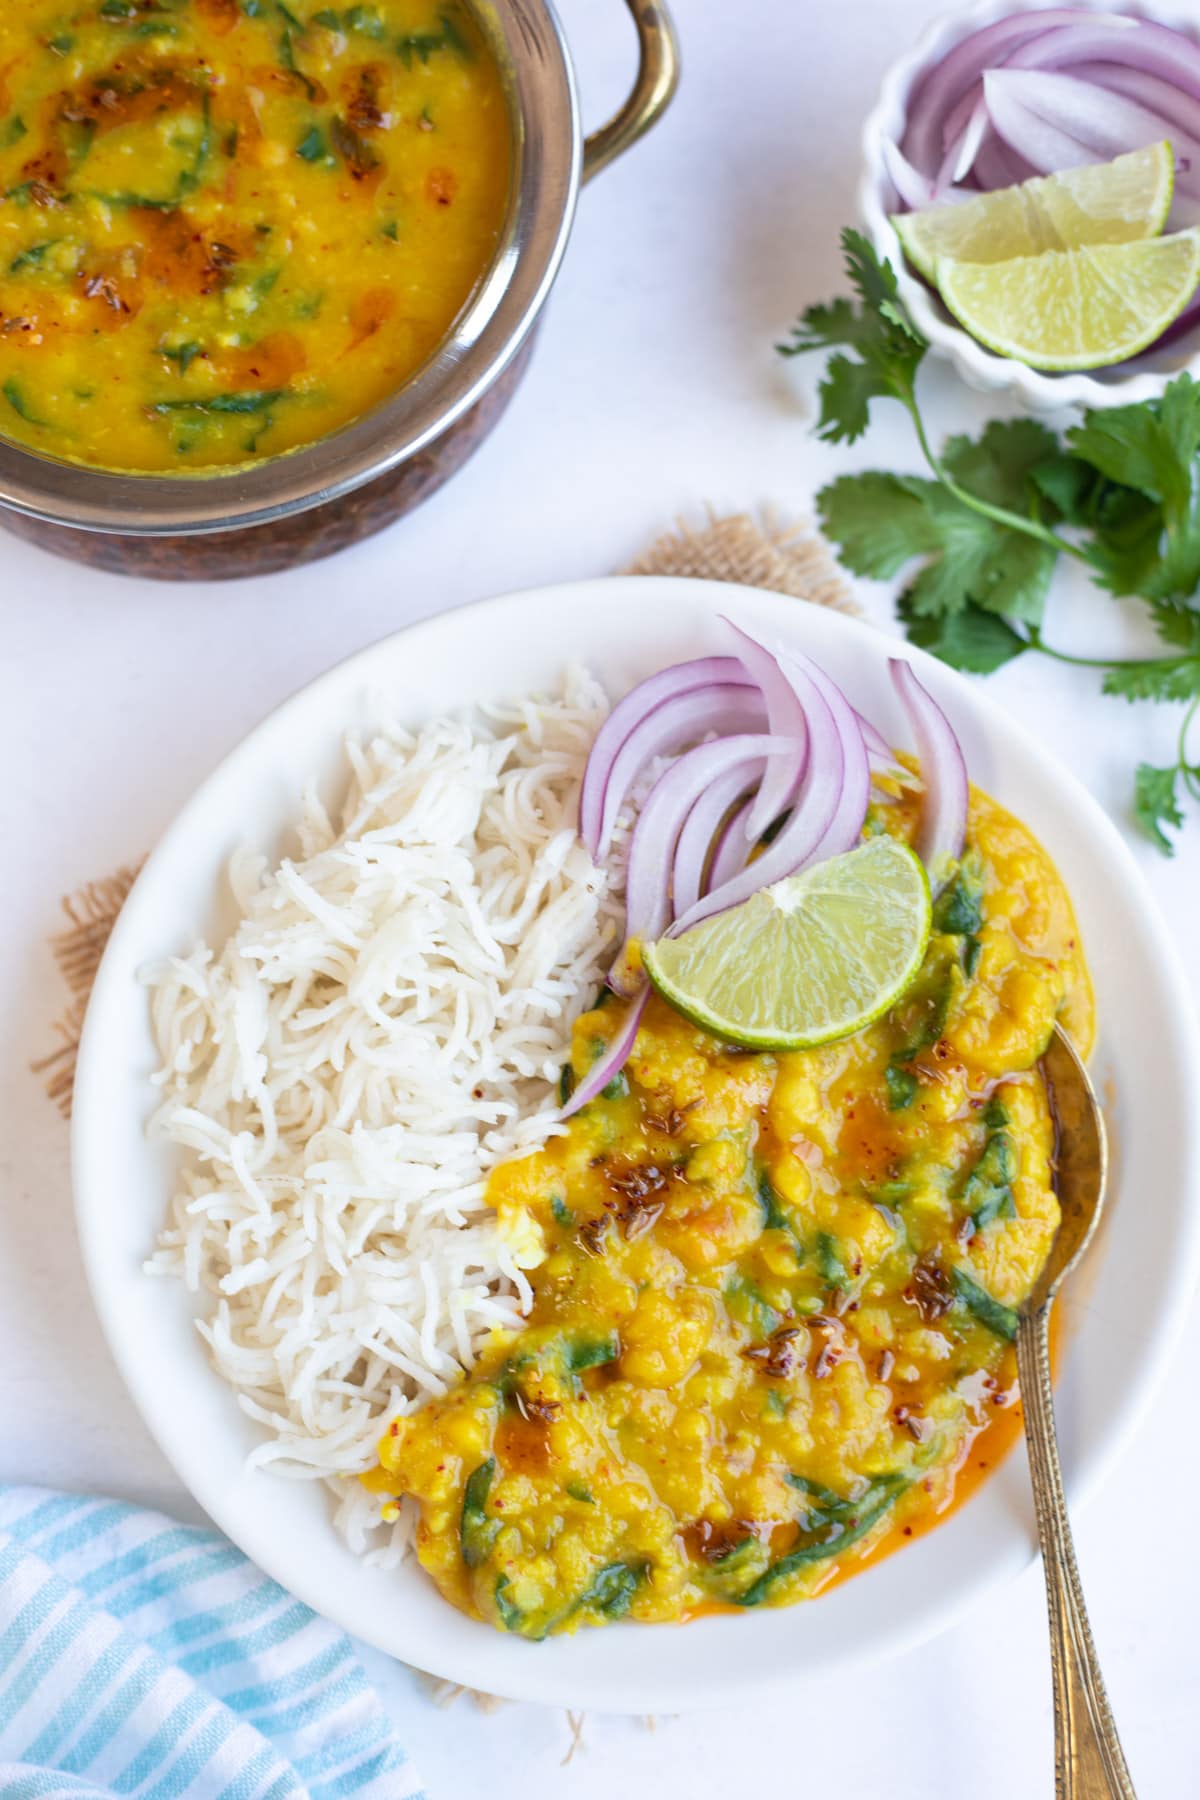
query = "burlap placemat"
{"x": 788, "y": 559}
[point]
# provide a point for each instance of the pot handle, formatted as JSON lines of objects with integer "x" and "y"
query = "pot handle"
{"x": 657, "y": 79}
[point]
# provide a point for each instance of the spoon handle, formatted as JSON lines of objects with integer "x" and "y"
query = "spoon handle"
{"x": 1088, "y": 1760}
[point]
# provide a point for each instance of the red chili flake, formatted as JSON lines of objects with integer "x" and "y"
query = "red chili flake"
{"x": 636, "y": 1222}
{"x": 910, "y": 1418}
{"x": 102, "y": 287}
{"x": 637, "y": 1182}
{"x": 637, "y": 1186}
{"x": 930, "y": 1291}
{"x": 394, "y": 1428}
{"x": 591, "y": 1234}
{"x": 776, "y": 1358}
{"x": 536, "y": 1408}
{"x": 713, "y": 1543}
{"x": 670, "y": 1123}
{"x": 908, "y": 1531}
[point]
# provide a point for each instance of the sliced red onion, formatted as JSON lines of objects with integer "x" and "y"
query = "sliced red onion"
{"x": 997, "y": 166}
{"x": 630, "y": 712}
{"x": 1048, "y": 117}
{"x": 786, "y": 721}
{"x": 964, "y": 148}
{"x": 710, "y": 824}
{"x": 914, "y": 190}
{"x": 845, "y": 827}
{"x": 1173, "y": 105}
{"x": 724, "y": 707}
{"x": 878, "y": 748}
{"x": 835, "y": 750}
{"x": 941, "y": 87}
{"x": 1042, "y": 143}
{"x": 943, "y": 826}
{"x": 612, "y": 1062}
{"x": 730, "y": 854}
{"x": 1158, "y": 49}
{"x": 648, "y": 877}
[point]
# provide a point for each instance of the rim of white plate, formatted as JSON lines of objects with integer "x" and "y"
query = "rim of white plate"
{"x": 285, "y": 1526}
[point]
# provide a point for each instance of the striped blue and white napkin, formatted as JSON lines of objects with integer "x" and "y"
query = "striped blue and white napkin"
{"x": 149, "y": 1660}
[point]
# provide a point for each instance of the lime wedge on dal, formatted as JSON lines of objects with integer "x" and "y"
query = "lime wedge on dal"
{"x": 809, "y": 960}
{"x": 1075, "y": 309}
{"x": 1116, "y": 202}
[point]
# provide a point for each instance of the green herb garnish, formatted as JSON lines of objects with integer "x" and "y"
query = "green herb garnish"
{"x": 183, "y": 355}
{"x": 477, "y": 1532}
{"x": 826, "y": 1529}
{"x": 989, "y": 528}
{"x": 1001, "y": 1319}
{"x": 32, "y": 258}
{"x": 15, "y": 396}
{"x": 312, "y": 146}
{"x": 223, "y": 403}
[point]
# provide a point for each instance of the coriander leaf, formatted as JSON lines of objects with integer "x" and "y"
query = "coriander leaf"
{"x": 887, "y": 344}
{"x": 846, "y": 391}
{"x": 1153, "y": 448}
{"x": 967, "y": 542}
{"x": 1155, "y": 804}
{"x": 998, "y": 466}
{"x": 972, "y": 639}
{"x": 1177, "y": 624}
{"x": 1070, "y": 485}
{"x": 874, "y": 280}
{"x": 1155, "y": 678}
{"x": 1016, "y": 578}
{"x": 1132, "y": 446}
{"x": 980, "y": 562}
{"x": 879, "y": 522}
{"x": 1126, "y": 535}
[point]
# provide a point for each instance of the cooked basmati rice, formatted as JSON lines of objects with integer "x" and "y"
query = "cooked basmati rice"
{"x": 385, "y": 1024}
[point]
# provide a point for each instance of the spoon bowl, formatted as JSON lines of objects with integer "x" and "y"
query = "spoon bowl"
{"x": 1080, "y": 1163}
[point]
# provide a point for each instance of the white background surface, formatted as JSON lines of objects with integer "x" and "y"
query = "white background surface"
{"x": 654, "y": 390}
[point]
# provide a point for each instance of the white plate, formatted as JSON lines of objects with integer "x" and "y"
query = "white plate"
{"x": 1137, "y": 1284}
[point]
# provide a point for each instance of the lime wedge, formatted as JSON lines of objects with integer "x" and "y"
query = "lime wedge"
{"x": 1075, "y": 309}
{"x": 1118, "y": 202}
{"x": 809, "y": 960}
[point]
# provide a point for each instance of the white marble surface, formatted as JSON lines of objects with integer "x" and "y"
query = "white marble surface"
{"x": 654, "y": 390}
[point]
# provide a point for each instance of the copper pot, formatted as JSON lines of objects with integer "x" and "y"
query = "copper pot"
{"x": 312, "y": 501}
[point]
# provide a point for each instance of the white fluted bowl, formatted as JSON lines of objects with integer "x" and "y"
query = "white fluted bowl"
{"x": 1142, "y": 378}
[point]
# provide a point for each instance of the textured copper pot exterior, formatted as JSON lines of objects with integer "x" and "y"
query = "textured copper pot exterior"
{"x": 322, "y": 497}
{"x": 298, "y": 537}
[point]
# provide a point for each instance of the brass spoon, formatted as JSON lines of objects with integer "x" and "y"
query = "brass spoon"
{"x": 1088, "y": 1760}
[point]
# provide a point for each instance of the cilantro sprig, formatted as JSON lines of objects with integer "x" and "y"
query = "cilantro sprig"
{"x": 1120, "y": 493}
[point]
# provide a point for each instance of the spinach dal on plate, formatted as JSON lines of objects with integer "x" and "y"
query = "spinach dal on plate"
{"x": 771, "y": 1330}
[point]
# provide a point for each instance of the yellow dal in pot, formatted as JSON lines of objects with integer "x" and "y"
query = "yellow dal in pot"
{"x": 770, "y": 1334}
{"x": 229, "y": 227}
